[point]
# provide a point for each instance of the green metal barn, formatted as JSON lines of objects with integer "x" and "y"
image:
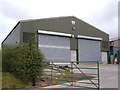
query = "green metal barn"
{"x": 62, "y": 38}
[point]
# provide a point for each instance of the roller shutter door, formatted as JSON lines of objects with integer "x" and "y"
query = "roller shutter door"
{"x": 55, "y": 48}
{"x": 89, "y": 50}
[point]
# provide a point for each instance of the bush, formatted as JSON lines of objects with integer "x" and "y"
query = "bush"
{"x": 25, "y": 61}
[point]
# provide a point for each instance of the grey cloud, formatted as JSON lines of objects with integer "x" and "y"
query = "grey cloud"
{"x": 108, "y": 13}
{"x": 106, "y": 19}
{"x": 13, "y": 11}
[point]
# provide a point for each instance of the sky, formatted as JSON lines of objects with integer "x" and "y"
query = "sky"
{"x": 102, "y": 14}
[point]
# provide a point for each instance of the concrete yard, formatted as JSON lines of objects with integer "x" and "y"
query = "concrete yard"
{"x": 108, "y": 77}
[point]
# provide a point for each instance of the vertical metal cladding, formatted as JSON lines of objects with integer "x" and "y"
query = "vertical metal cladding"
{"x": 58, "y": 45}
{"x": 13, "y": 38}
{"x": 65, "y": 25}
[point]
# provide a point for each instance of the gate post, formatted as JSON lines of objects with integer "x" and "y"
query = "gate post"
{"x": 33, "y": 81}
{"x": 98, "y": 75}
{"x": 51, "y": 71}
{"x": 72, "y": 73}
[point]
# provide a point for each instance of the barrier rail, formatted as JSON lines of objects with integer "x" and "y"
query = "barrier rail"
{"x": 84, "y": 75}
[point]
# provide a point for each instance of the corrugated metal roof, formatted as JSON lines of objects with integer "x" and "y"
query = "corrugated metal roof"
{"x": 47, "y": 18}
{"x": 115, "y": 39}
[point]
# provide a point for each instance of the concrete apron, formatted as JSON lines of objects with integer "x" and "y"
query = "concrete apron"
{"x": 108, "y": 77}
{"x": 75, "y": 83}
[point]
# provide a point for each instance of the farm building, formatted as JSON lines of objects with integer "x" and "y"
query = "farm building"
{"x": 62, "y": 39}
{"x": 115, "y": 49}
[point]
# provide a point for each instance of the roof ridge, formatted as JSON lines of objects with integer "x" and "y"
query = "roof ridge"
{"x": 45, "y": 18}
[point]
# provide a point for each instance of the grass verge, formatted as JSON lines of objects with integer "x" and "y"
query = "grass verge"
{"x": 9, "y": 81}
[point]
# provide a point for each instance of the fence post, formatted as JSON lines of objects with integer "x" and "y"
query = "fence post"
{"x": 98, "y": 75}
{"x": 72, "y": 73}
{"x": 51, "y": 70}
{"x": 33, "y": 81}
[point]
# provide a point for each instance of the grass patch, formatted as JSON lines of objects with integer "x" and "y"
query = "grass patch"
{"x": 9, "y": 81}
{"x": 59, "y": 76}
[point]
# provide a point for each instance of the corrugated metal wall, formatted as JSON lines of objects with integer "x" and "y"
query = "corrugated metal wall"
{"x": 64, "y": 25}
{"x": 115, "y": 49}
{"x": 13, "y": 39}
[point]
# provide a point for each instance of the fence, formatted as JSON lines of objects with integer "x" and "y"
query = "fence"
{"x": 83, "y": 75}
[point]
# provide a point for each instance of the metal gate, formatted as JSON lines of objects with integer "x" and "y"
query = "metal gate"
{"x": 83, "y": 75}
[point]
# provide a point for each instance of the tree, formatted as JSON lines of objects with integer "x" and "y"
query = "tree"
{"x": 25, "y": 61}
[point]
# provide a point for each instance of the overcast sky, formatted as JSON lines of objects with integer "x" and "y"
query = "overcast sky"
{"x": 102, "y": 14}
